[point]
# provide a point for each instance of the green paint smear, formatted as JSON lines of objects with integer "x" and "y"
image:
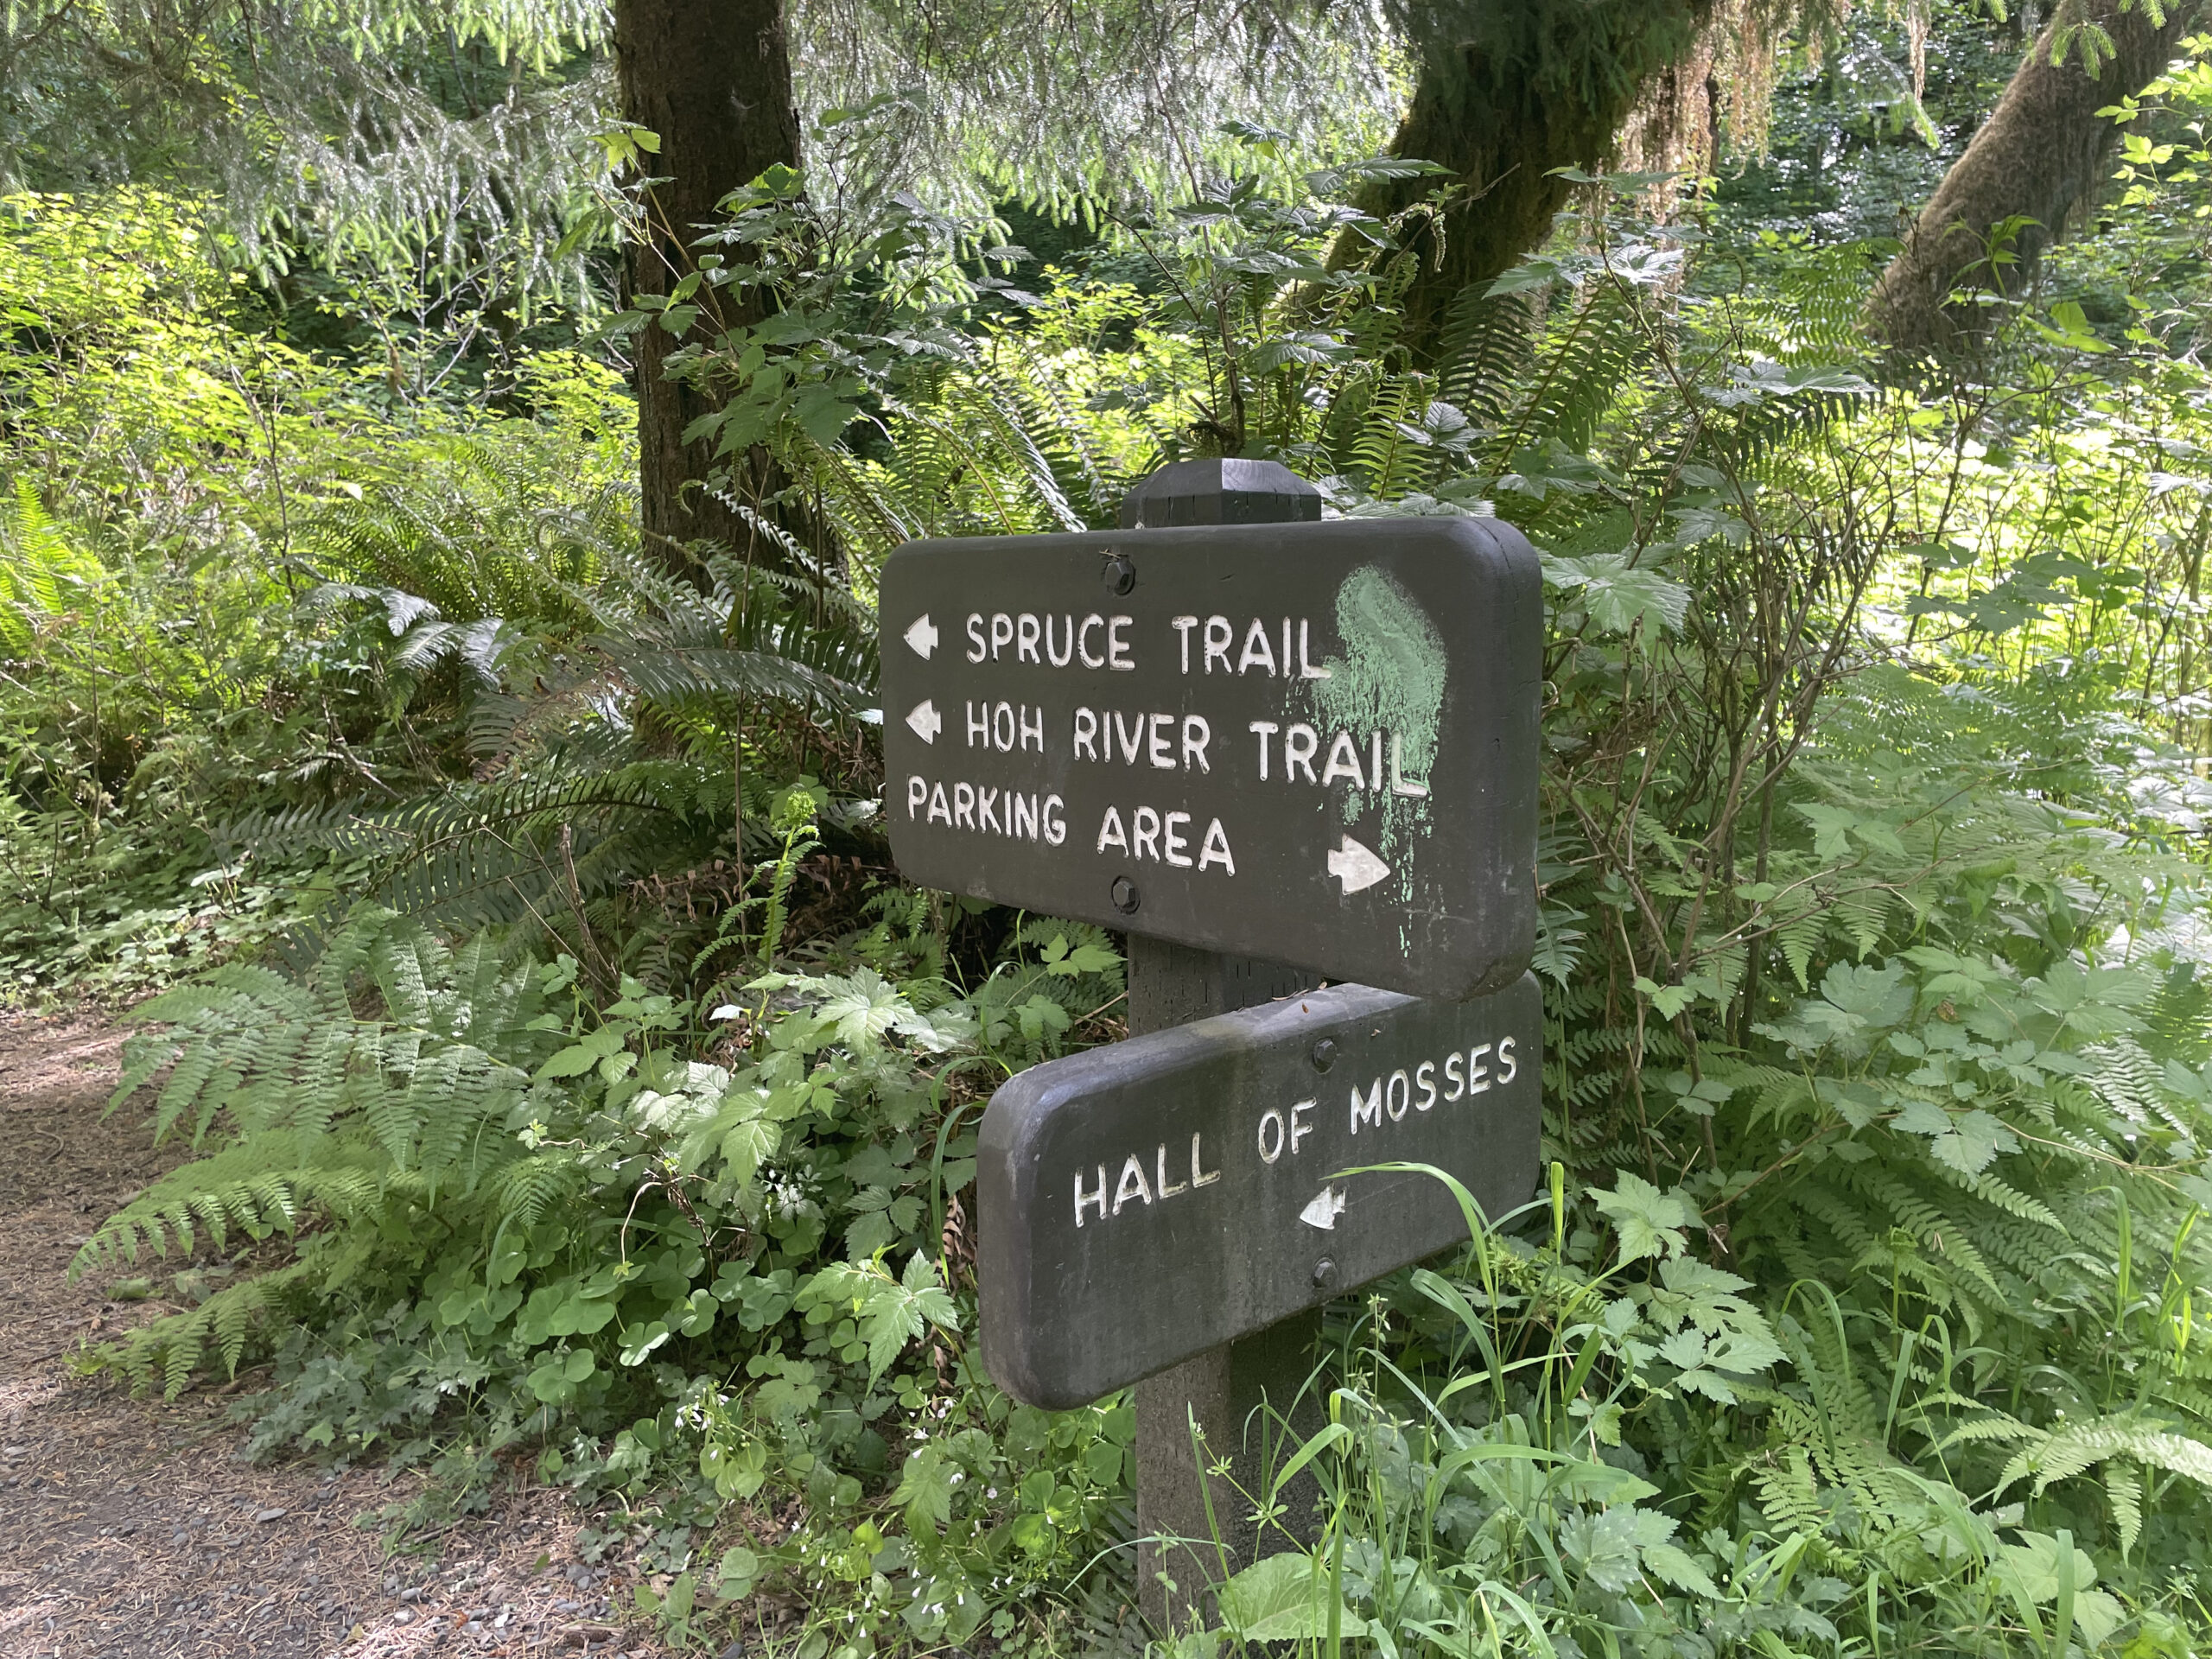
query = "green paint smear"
{"x": 1390, "y": 678}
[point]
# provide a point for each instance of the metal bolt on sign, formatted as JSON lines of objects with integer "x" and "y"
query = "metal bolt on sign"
{"x": 1272, "y": 750}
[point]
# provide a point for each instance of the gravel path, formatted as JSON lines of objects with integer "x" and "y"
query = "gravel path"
{"x": 131, "y": 1527}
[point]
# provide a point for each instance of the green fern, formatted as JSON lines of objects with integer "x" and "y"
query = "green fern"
{"x": 479, "y": 526}
{"x": 42, "y": 571}
{"x": 318, "y": 1109}
{"x": 1484, "y": 353}
{"x": 170, "y": 1350}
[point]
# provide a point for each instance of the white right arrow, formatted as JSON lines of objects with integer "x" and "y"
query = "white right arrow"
{"x": 1355, "y": 867}
{"x": 927, "y": 723}
{"x": 1323, "y": 1209}
{"x": 923, "y": 637}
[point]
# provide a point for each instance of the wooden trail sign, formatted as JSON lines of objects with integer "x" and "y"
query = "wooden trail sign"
{"x": 1145, "y": 1201}
{"x": 1313, "y": 743}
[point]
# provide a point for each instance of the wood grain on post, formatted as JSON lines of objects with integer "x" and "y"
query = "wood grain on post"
{"x": 1240, "y": 1386}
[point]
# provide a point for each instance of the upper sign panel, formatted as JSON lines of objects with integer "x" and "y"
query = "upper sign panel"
{"x": 1314, "y": 743}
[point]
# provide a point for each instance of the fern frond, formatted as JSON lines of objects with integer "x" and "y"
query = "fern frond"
{"x": 2124, "y": 1493}
{"x": 1482, "y": 351}
{"x": 2077, "y": 1448}
{"x": 172, "y": 1348}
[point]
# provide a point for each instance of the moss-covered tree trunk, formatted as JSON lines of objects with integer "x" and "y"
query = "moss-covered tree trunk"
{"x": 2039, "y": 157}
{"x": 712, "y": 78}
{"x": 1505, "y": 94}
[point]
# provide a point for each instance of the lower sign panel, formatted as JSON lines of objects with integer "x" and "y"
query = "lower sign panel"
{"x": 1143, "y": 1202}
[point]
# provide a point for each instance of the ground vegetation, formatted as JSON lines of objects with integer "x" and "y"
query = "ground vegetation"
{"x": 560, "y": 1088}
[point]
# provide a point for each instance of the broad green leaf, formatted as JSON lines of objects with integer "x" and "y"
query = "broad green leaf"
{"x": 1667, "y": 1000}
{"x": 1975, "y": 1139}
{"x": 925, "y": 1486}
{"x": 1619, "y": 597}
{"x": 1677, "y": 1568}
{"x": 1284, "y": 1598}
{"x": 582, "y": 1055}
{"x": 1647, "y": 1221}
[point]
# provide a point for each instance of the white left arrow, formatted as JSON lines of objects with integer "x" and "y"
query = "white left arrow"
{"x": 923, "y": 637}
{"x": 1323, "y": 1209}
{"x": 1356, "y": 866}
{"x": 926, "y": 721}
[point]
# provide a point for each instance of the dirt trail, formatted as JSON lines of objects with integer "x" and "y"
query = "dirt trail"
{"x": 131, "y": 1527}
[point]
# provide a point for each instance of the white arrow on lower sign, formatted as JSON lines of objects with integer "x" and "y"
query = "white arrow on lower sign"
{"x": 926, "y": 721}
{"x": 1355, "y": 867}
{"x": 1323, "y": 1209}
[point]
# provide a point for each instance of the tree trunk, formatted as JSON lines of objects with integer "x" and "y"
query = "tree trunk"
{"x": 712, "y": 78}
{"x": 1506, "y": 92}
{"x": 2041, "y": 155}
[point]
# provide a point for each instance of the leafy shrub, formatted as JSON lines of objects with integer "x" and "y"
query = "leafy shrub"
{"x": 1875, "y": 1061}
{"x": 488, "y": 1187}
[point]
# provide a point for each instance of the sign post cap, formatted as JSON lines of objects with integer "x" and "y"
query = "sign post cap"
{"x": 1227, "y": 490}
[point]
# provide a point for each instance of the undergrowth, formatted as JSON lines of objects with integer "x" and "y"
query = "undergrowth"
{"x": 580, "y": 1092}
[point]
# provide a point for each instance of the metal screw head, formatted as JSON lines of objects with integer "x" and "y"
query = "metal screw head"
{"x": 1325, "y": 1273}
{"x": 1120, "y": 574}
{"x": 1124, "y": 892}
{"x": 1325, "y": 1053}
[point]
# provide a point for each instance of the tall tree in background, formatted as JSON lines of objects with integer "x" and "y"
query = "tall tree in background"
{"x": 1506, "y": 94}
{"x": 2040, "y": 156}
{"x": 713, "y": 79}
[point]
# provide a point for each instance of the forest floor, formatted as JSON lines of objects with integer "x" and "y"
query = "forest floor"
{"x": 132, "y": 1527}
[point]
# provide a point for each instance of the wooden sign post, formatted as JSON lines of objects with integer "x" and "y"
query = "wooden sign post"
{"x": 1271, "y": 750}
